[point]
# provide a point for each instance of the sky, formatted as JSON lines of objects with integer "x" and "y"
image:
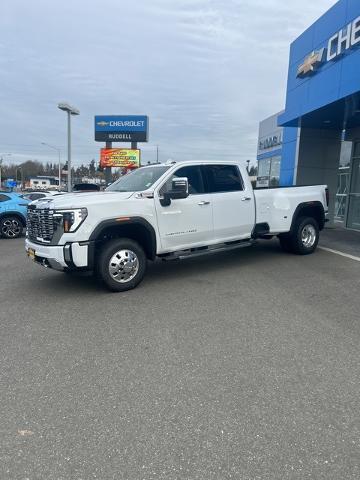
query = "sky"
{"x": 204, "y": 71}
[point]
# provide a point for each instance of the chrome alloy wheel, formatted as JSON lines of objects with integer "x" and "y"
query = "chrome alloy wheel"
{"x": 308, "y": 236}
{"x": 123, "y": 266}
{"x": 11, "y": 228}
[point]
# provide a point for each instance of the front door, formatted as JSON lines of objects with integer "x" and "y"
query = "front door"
{"x": 186, "y": 222}
{"x": 353, "y": 219}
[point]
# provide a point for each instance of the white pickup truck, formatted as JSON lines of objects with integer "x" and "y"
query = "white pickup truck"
{"x": 169, "y": 211}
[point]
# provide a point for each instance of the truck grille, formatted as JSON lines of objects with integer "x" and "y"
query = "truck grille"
{"x": 40, "y": 224}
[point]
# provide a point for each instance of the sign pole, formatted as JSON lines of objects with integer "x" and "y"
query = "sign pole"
{"x": 69, "y": 150}
{"x": 134, "y": 147}
{"x": 108, "y": 176}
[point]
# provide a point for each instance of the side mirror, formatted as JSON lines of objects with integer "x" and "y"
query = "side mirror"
{"x": 179, "y": 189}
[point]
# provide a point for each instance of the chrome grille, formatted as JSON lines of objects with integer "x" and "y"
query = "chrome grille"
{"x": 40, "y": 224}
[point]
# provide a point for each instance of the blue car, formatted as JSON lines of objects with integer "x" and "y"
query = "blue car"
{"x": 13, "y": 207}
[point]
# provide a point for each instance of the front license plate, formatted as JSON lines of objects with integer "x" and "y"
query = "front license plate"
{"x": 31, "y": 253}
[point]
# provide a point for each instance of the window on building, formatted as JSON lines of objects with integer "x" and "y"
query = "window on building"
{"x": 264, "y": 167}
{"x": 269, "y": 172}
{"x": 343, "y": 186}
{"x": 275, "y": 171}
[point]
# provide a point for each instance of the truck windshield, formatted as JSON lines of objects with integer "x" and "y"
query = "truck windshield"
{"x": 138, "y": 180}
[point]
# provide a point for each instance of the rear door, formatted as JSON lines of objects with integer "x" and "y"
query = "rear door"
{"x": 186, "y": 222}
{"x": 232, "y": 200}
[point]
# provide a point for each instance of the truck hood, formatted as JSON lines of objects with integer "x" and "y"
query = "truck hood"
{"x": 80, "y": 200}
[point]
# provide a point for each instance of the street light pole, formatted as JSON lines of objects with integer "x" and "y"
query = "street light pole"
{"x": 59, "y": 151}
{"x": 70, "y": 111}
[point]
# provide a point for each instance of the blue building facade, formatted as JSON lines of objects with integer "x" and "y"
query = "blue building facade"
{"x": 321, "y": 120}
{"x": 269, "y": 152}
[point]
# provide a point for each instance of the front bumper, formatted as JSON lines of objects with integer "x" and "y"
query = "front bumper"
{"x": 70, "y": 256}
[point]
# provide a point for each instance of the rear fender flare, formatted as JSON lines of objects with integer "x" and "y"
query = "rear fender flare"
{"x": 305, "y": 209}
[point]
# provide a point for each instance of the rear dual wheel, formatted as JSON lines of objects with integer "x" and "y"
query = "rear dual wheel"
{"x": 303, "y": 238}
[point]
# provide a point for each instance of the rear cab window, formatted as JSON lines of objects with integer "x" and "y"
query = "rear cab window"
{"x": 223, "y": 178}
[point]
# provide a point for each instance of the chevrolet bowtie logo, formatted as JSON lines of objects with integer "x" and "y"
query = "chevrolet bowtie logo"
{"x": 103, "y": 123}
{"x": 311, "y": 62}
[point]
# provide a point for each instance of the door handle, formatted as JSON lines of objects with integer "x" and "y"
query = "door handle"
{"x": 245, "y": 199}
{"x": 203, "y": 203}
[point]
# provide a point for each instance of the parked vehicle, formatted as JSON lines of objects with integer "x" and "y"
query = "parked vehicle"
{"x": 36, "y": 195}
{"x": 86, "y": 187}
{"x": 12, "y": 214}
{"x": 170, "y": 211}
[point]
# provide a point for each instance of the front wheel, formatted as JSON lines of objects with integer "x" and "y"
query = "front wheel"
{"x": 122, "y": 264}
{"x": 10, "y": 227}
{"x": 305, "y": 236}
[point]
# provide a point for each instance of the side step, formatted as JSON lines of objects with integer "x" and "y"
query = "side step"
{"x": 201, "y": 251}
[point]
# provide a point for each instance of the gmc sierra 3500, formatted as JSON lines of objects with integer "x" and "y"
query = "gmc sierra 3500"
{"x": 169, "y": 211}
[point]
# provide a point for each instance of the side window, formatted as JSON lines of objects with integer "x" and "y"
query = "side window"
{"x": 4, "y": 198}
{"x": 36, "y": 196}
{"x": 223, "y": 178}
{"x": 193, "y": 174}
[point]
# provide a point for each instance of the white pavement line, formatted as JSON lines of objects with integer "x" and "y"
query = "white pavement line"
{"x": 352, "y": 257}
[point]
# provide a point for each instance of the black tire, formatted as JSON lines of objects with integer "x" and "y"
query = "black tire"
{"x": 286, "y": 243}
{"x": 11, "y": 227}
{"x": 305, "y": 236}
{"x": 127, "y": 269}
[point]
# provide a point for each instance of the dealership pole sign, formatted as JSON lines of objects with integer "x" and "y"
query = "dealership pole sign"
{"x": 121, "y": 128}
{"x": 337, "y": 45}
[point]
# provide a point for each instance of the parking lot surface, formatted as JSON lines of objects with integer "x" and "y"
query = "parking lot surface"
{"x": 243, "y": 365}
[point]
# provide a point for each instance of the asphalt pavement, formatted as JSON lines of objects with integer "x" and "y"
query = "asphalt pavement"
{"x": 243, "y": 365}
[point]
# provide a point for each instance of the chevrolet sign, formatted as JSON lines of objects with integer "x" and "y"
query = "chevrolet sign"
{"x": 121, "y": 128}
{"x": 337, "y": 45}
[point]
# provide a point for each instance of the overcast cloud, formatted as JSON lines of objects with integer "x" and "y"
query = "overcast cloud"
{"x": 205, "y": 71}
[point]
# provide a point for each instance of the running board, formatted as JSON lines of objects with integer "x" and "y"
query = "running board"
{"x": 201, "y": 251}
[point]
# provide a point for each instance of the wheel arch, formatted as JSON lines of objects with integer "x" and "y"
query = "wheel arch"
{"x": 310, "y": 209}
{"x": 11, "y": 213}
{"x": 135, "y": 228}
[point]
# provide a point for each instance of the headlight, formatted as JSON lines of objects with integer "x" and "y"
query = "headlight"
{"x": 70, "y": 220}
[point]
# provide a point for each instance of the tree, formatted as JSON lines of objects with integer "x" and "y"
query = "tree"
{"x": 253, "y": 171}
{"x": 32, "y": 168}
{"x": 92, "y": 168}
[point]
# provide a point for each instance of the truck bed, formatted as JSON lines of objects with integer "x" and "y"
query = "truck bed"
{"x": 276, "y": 206}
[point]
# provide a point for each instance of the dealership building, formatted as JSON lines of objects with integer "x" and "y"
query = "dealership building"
{"x": 316, "y": 138}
